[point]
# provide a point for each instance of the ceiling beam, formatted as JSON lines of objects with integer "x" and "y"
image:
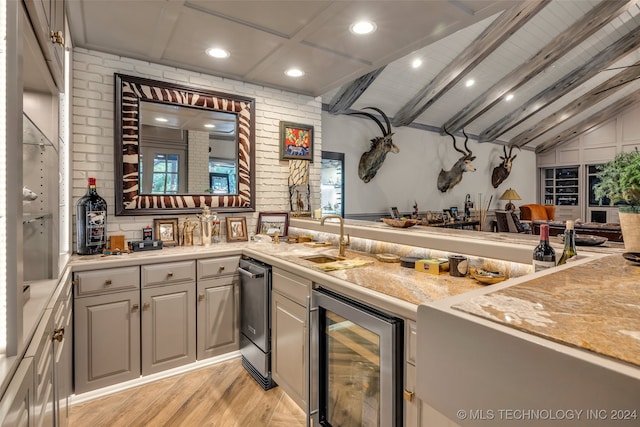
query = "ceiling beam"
{"x": 491, "y": 38}
{"x": 349, "y": 93}
{"x": 606, "y": 58}
{"x": 601, "y": 116}
{"x": 577, "y": 106}
{"x": 603, "y": 13}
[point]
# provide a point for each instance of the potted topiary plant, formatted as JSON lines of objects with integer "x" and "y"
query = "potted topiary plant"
{"x": 620, "y": 182}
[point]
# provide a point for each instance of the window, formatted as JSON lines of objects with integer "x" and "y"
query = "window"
{"x": 165, "y": 173}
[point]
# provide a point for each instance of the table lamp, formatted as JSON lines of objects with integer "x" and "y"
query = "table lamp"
{"x": 510, "y": 195}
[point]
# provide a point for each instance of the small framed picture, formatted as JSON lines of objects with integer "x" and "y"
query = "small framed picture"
{"x": 273, "y": 222}
{"x": 166, "y": 229}
{"x": 296, "y": 141}
{"x": 237, "y": 229}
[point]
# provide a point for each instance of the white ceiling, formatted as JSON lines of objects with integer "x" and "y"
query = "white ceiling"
{"x": 267, "y": 37}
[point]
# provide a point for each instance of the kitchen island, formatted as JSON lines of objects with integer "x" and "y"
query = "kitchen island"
{"x": 400, "y": 291}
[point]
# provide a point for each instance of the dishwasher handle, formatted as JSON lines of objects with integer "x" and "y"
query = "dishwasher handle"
{"x": 249, "y": 274}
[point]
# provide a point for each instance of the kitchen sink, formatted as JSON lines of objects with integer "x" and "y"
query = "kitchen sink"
{"x": 321, "y": 259}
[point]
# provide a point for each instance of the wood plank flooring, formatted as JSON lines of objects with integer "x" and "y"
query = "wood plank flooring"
{"x": 222, "y": 395}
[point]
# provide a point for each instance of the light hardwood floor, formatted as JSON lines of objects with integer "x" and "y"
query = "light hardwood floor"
{"x": 223, "y": 395}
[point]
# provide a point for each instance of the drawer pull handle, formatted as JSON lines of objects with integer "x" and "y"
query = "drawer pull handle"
{"x": 169, "y": 274}
{"x": 221, "y": 269}
{"x": 107, "y": 282}
{"x": 135, "y": 307}
{"x": 146, "y": 306}
{"x": 201, "y": 297}
{"x": 58, "y": 334}
{"x": 408, "y": 395}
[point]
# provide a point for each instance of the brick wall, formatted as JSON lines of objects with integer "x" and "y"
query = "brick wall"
{"x": 93, "y": 132}
{"x": 198, "y": 162}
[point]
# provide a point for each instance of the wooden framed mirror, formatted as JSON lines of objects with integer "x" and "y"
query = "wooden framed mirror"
{"x": 170, "y": 140}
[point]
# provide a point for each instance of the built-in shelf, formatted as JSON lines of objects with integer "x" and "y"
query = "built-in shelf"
{"x": 32, "y": 217}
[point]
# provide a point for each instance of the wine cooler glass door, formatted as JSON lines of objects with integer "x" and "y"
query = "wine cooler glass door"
{"x": 359, "y": 368}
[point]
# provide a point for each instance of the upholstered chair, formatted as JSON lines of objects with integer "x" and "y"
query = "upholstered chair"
{"x": 535, "y": 212}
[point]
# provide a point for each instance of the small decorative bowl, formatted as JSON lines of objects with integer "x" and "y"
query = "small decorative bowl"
{"x": 400, "y": 223}
{"x": 487, "y": 277}
{"x": 388, "y": 257}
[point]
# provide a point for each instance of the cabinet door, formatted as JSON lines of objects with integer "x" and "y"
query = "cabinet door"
{"x": 218, "y": 322}
{"x": 16, "y": 406}
{"x": 63, "y": 358}
{"x": 47, "y": 18}
{"x": 41, "y": 349}
{"x": 107, "y": 340}
{"x": 288, "y": 340}
{"x": 168, "y": 327}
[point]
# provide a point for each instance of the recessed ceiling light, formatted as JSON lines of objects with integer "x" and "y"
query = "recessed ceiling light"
{"x": 294, "y": 72}
{"x": 470, "y": 83}
{"x": 161, "y": 120}
{"x": 217, "y": 52}
{"x": 362, "y": 27}
{"x": 209, "y": 126}
{"x": 416, "y": 63}
{"x": 509, "y": 97}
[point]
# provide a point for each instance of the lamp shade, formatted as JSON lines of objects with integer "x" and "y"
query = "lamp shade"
{"x": 510, "y": 194}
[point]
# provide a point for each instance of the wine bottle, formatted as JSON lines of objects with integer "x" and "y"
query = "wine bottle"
{"x": 543, "y": 255}
{"x": 91, "y": 222}
{"x": 569, "y": 250}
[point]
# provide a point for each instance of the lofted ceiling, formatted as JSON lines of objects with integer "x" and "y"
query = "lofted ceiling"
{"x": 569, "y": 64}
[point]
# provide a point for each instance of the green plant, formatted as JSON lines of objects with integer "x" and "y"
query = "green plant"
{"x": 620, "y": 179}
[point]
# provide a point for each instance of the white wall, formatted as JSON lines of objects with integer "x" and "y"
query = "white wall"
{"x": 93, "y": 128}
{"x": 412, "y": 173}
{"x": 599, "y": 145}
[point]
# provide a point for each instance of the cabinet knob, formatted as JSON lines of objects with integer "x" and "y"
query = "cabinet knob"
{"x": 107, "y": 282}
{"x": 57, "y": 38}
{"x": 169, "y": 274}
{"x": 58, "y": 334}
{"x": 146, "y": 306}
{"x": 408, "y": 395}
{"x": 221, "y": 269}
{"x": 201, "y": 297}
{"x": 135, "y": 307}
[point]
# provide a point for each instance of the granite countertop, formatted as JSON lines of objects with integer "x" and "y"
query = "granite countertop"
{"x": 596, "y": 307}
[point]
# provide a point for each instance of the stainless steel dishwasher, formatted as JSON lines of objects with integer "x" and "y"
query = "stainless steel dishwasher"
{"x": 255, "y": 320}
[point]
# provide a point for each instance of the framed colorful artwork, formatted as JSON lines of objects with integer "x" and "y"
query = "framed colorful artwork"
{"x": 296, "y": 141}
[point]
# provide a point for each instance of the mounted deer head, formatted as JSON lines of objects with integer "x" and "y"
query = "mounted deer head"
{"x": 449, "y": 179}
{"x": 371, "y": 161}
{"x": 502, "y": 171}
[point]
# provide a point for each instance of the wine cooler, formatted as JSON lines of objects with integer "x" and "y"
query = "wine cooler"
{"x": 356, "y": 377}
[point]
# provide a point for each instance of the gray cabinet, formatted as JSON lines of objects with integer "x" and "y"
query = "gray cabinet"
{"x": 107, "y": 327}
{"x": 41, "y": 351}
{"x": 218, "y": 312}
{"x": 288, "y": 333}
{"x": 62, "y": 355}
{"x": 47, "y": 20}
{"x": 218, "y": 306}
{"x": 168, "y": 319}
{"x": 16, "y": 406}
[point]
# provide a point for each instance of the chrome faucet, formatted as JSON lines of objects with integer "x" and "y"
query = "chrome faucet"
{"x": 343, "y": 243}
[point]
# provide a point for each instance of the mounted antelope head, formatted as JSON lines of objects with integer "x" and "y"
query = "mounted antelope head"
{"x": 371, "y": 161}
{"x": 502, "y": 171}
{"x": 449, "y": 179}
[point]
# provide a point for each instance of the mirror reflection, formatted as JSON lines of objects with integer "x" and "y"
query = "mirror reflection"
{"x": 186, "y": 150}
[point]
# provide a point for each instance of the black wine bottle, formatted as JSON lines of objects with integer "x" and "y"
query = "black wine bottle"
{"x": 569, "y": 243}
{"x": 543, "y": 255}
{"x": 91, "y": 222}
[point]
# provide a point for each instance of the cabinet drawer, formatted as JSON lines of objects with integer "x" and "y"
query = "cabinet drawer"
{"x": 292, "y": 286}
{"x": 107, "y": 280}
{"x": 169, "y": 273}
{"x": 214, "y": 267}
